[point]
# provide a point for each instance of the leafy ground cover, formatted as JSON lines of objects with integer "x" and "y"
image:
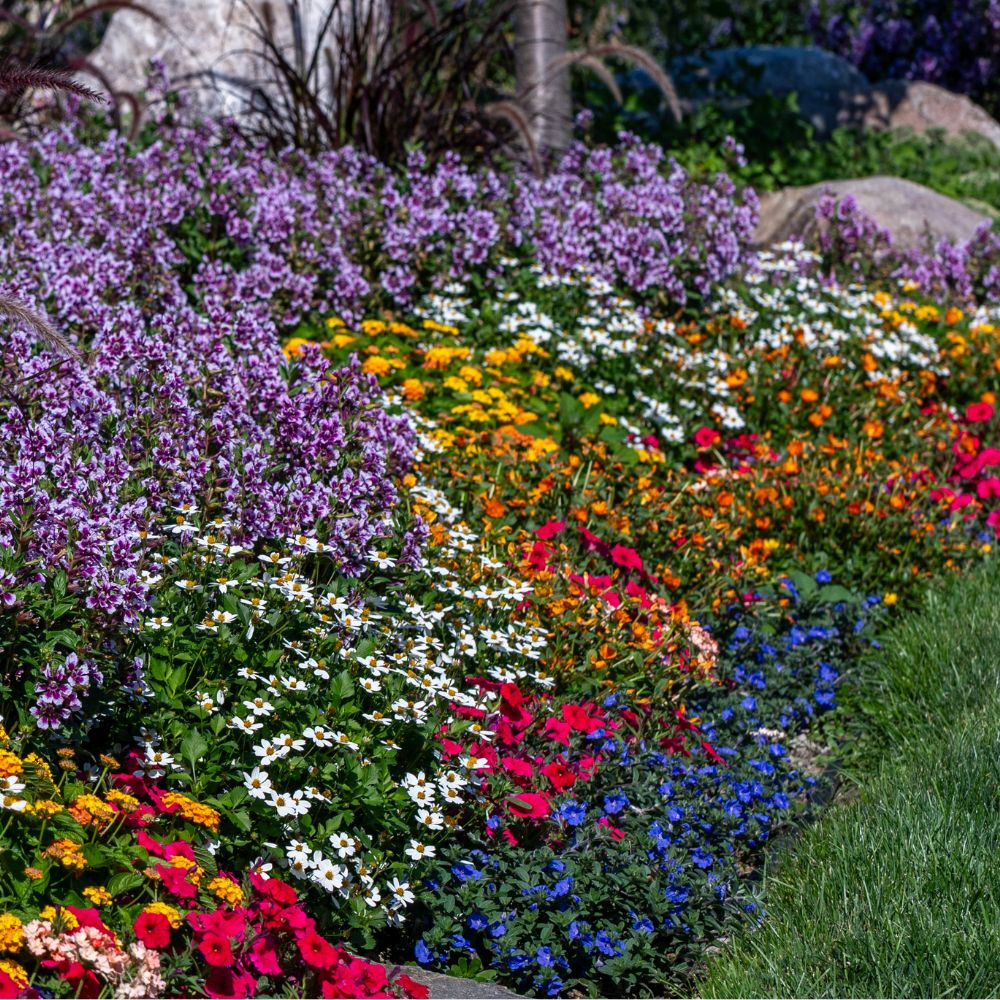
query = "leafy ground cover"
{"x": 407, "y": 565}
{"x": 891, "y": 895}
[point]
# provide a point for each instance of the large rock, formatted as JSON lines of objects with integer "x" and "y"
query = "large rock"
{"x": 211, "y": 48}
{"x": 822, "y": 80}
{"x": 454, "y": 988}
{"x": 911, "y": 212}
{"x": 919, "y": 106}
{"x": 831, "y": 92}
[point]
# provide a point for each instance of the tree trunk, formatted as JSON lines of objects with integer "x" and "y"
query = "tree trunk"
{"x": 540, "y": 38}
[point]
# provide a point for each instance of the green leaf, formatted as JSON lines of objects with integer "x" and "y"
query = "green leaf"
{"x": 194, "y": 746}
{"x": 124, "y": 882}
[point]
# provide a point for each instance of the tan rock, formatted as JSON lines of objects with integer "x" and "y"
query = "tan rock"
{"x": 911, "y": 212}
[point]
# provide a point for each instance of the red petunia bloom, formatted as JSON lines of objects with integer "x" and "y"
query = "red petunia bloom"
{"x": 82, "y": 981}
{"x": 152, "y": 929}
{"x": 550, "y": 530}
{"x": 264, "y": 957}
{"x": 977, "y": 413}
{"x": 412, "y": 988}
{"x": 706, "y": 437}
{"x": 559, "y": 775}
{"x": 176, "y": 881}
{"x": 216, "y": 950}
{"x": 317, "y": 951}
{"x": 624, "y": 556}
{"x": 529, "y": 805}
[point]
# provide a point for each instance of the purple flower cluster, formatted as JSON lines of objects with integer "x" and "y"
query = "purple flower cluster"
{"x": 953, "y": 43}
{"x": 59, "y": 687}
{"x": 852, "y": 246}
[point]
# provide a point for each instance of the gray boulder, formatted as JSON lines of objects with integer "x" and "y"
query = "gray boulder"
{"x": 911, "y": 212}
{"x": 209, "y": 47}
{"x": 830, "y": 91}
{"x": 454, "y": 988}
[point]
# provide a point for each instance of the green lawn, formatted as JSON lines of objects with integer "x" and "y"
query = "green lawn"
{"x": 898, "y": 892}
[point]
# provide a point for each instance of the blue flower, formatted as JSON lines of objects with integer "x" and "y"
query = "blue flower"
{"x": 823, "y": 576}
{"x": 477, "y": 921}
{"x": 573, "y": 812}
{"x": 676, "y": 893}
{"x": 643, "y": 925}
{"x": 614, "y": 804}
{"x": 422, "y": 953}
{"x": 518, "y": 960}
{"x": 544, "y": 957}
{"x": 702, "y": 858}
{"x": 498, "y": 929}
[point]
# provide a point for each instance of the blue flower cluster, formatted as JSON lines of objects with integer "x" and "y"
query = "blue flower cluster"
{"x": 634, "y": 872}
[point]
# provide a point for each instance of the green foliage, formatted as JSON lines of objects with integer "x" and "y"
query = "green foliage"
{"x": 782, "y": 149}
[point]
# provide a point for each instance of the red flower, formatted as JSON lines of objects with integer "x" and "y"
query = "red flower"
{"x": 520, "y": 769}
{"x": 978, "y": 413}
{"x": 550, "y": 530}
{"x": 264, "y": 957}
{"x": 152, "y": 929}
{"x": 706, "y": 437}
{"x": 225, "y": 983}
{"x": 176, "y": 881}
{"x": 412, "y": 988}
{"x": 216, "y": 950}
{"x": 82, "y": 981}
{"x": 988, "y": 488}
{"x": 274, "y": 888}
{"x": 616, "y": 833}
{"x": 560, "y": 775}
{"x": 316, "y": 951}
{"x": 529, "y": 805}
{"x": 624, "y": 556}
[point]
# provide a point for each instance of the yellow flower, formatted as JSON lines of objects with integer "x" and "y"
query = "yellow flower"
{"x": 67, "y": 852}
{"x": 124, "y": 801}
{"x": 59, "y": 916}
{"x": 377, "y": 365}
{"x": 890, "y": 598}
{"x": 589, "y": 399}
{"x": 456, "y": 384}
{"x": 226, "y": 890}
{"x": 342, "y": 340}
{"x": 429, "y": 324}
{"x": 335, "y": 321}
{"x": 15, "y": 971}
{"x": 564, "y": 373}
{"x": 608, "y": 419}
{"x": 10, "y": 764}
{"x": 294, "y": 346}
{"x": 193, "y": 811}
{"x": 43, "y": 809}
{"x": 164, "y": 909}
{"x": 470, "y": 374}
{"x": 97, "y": 894}
{"x": 373, "y": 326}
{"x": 11, "y": 933}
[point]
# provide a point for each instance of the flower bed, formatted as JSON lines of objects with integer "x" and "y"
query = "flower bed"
{"x": 356, "y": 604}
